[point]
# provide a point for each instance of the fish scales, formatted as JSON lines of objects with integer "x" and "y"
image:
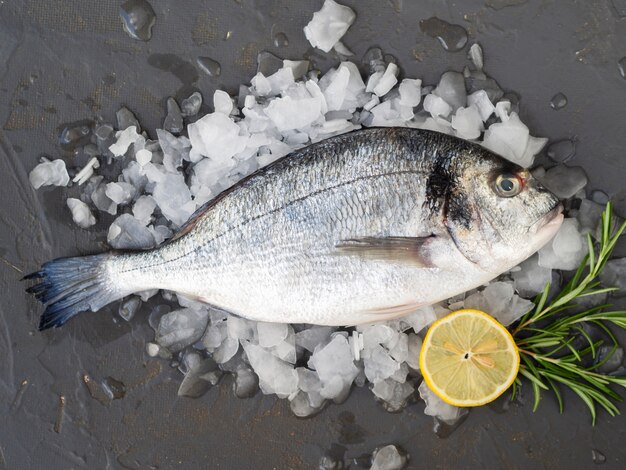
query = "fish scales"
{"x": 361, "y": 227}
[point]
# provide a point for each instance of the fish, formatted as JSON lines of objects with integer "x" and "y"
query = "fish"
{"x": 358, "y": 228}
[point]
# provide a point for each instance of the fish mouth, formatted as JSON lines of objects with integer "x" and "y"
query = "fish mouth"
{"x": 549, "y": 223}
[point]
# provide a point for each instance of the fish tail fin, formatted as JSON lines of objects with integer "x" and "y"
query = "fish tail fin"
{"x": 68, "y": 286}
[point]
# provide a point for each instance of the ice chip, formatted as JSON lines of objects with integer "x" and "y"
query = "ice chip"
{"x": 181, "y": 328}
{"x": 388, "y": 458}
{"x": 275, "y": 376}
{"x": 299, "y": 68}
{"x": 439, "y": 409}
{"x": 143, "y": 156}
{"x": 510, "y": 140}
{"x": 143, "y": 208}
{"x": 173, "y": 198}
{"x": 436, "y": 106}
{"x": 564, "y": 181}
{"x": 126, "y": 232}
{"x": 52, "y": 173}
{"x": 531, "y": 278}
{"x": 120, "y": 193}
{"x": 287, "y": 113}
{"x": 271, "y": 334}
{"x": 81, "y": 214}
{"x": 394, "y": 394}
{"x": 410, "y": 92}
{"x": 481, "y": 101}
{"x": 387, "y": 81}
{"x": 451, "y": 89}
{"x": 310, "y": 337}
{"x": 125, "y": 139}
{"x": 566, "y": 250}
{"x": 467, "y": 122}
{"x": 216, "y": 136}
{"x": 499, "y": 300}
{"x": 329, "y": 25}
{"x": 334, "y": 365}
{"x": 222, "y": 102}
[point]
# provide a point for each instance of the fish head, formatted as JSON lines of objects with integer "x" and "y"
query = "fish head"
{"x": 498, "y": 214}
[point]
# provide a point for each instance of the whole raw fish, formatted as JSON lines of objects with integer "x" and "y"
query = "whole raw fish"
{"x": 361, "y": 227}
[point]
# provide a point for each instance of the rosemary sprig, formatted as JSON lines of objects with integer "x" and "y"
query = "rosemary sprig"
{"x": 547, "y": 334}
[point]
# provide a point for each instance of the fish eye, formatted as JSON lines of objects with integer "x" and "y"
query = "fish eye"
{"x": 507, "y": 185}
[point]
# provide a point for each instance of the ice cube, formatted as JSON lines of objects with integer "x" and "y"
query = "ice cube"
{"x": 387, "y": 81}
{"x": 174, "y": 120}
{"x": 101, "y": 200}
{"x": 481, "y": 100}
{"x": 173, "y": 198}
{"x": 567, "y": 248}
{"x": 126, "y": 119}
{"x": 281, "y": 80}
{"x": 216, "y": 136}
{"x": 143, "y": 156}
{"x": 191, "y": 106}
{"x": 50, "y": 173}
{"x": 410, "y": 92}
{"x": 271, "y": 334}
{"x": 334, "y": 85}
{"x": 120, "y": 193}
{"x": 175, "y": 150}
{"x": 200, "y": 378}
{"x": 451, "y": 89}
{"x": 241, "y": 328}
{"x": 439, "y": 409}
{"x": 531, "y": 278}
{"x": 310, "y": 337}
{"x": 436, "y": 106}
{"x": 125, "y": 139}
{"x": 329, "y": 25}
{"x": 181, "y": 328}
{"x": 509, "y": 139}
{"x": 143, "y": 209}
{"x": 414, "y": 349}
{"x": 388, "y": 458}
{"x": 222, "y": 102}
{"x": 275, "y": 376}
{"x": 126, "y": 232}
{"x": 467, "y": 122}
{"x": 379, "y": 365}
{"x": 287, "y": 113}
{"x": 334, "y": 365}
{"x": 261, "y": 85}
{"x": 394, "y": 394}
{"x": 152, "y": 349}
{"x": 226, "y": 350}
{"x": 499, "y": 300}
{"x": 129, "y": 307}
{"x": 475, "y": 54}
{"x": 81, "y": 214}
{"x": 564, "y": 181}
{"x": 246, "y": 382}
{"x": 341, "y": 49}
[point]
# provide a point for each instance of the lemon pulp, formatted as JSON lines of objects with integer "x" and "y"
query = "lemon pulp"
{"x": 468, "y": 358}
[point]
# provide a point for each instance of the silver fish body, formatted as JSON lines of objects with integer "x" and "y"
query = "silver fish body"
{"x": 361, "y": 227}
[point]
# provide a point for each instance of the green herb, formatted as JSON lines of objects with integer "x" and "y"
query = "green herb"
{"x": 545, "y": 336}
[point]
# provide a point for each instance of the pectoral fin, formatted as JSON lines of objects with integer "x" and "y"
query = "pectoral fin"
{"x": 404, "y": 250}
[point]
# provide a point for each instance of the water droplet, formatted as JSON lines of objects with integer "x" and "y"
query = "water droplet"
{"x": 281, "y": 40}
{"x": 621, "y": 64}
{"x": 209, "y": 66}
{"x": 114, "y": 389}
{"x": 75, "y": 134}
{"x": 138, "y": 18}
{"x": 558, "y": 101}
{"x": 598, "y": 457}
{"x": 451, "y": 36}
{"x": 562, "y": 150}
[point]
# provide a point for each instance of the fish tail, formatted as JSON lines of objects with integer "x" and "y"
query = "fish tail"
{"x": 68, "y": 286}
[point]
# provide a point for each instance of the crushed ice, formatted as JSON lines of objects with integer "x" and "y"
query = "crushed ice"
{"x": 166, "y": 179}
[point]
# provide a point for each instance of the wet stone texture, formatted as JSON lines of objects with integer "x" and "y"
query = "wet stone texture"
{"x": 89, "y": 395}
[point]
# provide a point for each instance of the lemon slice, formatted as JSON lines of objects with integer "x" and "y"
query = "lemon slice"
{"x": 468, "y": 358}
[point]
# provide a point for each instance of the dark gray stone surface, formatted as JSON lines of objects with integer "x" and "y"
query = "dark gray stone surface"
{"x": 67, "y": 60}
